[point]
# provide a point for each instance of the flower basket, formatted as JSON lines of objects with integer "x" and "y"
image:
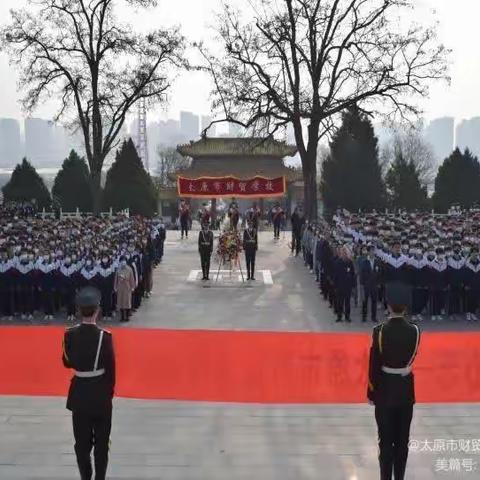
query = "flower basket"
{"x": 229, "y": 246}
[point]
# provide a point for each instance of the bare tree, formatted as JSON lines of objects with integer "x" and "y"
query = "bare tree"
{"x": 169, "y": 162}
{"x": 97, "y": 67}
{"x": 415, "y": 149}
{"x": 303, "y": 62}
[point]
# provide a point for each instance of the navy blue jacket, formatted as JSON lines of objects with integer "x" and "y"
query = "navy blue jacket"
{"x": 369, "y": 278}
{"x": 344, "y": 274}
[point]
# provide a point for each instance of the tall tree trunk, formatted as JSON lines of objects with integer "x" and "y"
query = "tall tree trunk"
{"x": 309, "y": 167}
{"x": 96, "y": 185}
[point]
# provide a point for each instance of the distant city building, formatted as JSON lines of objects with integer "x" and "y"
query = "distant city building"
{"x": 468, "y": 135}
{"x": 10, "y": 142}
{"x": 62, "y": 144}
{"x": 48, "y": 144}
{"x": 440, "y": 134}
{"x": 189, "y": 125}
{"x": 170, "y": 134}
{"x": 153, "y": 134}
{"x": 39, "y": 141}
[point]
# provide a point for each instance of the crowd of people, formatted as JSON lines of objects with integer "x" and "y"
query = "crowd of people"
{"x": 275, "y": 216}
{"x": 358, "y": 255}
{"x": 45, "y": 261}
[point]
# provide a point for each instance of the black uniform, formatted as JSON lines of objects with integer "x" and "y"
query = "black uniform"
{"x": 394, "y": 346}
{"x": 90, "y": 398}
{"x": 162, "y": 235}
{"x": 344, "y": 279}
{"x": 370, "y": 279}
{"x": 250, "y": 245}
{"x": 205, "y": 248}
{"x": 419, "y": 276}
{"x": 298, "y": 221}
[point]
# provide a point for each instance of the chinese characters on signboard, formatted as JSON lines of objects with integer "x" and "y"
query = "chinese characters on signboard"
{"x": 257, "y": 187}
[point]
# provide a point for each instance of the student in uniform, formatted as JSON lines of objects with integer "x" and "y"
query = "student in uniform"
{"x": 370, "y": 278}
{"x": 472, "y": 284}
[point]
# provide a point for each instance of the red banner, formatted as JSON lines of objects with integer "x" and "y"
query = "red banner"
{"x": 218, "y": 187}
{"x": 233, "y": 366}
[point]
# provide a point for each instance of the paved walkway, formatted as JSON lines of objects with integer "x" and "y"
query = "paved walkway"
{"x": 288, "y": 300}
{"x": 187, "y": 441}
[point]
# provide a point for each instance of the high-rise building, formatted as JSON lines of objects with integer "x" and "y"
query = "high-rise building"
{"x": 39, "y": 141}
{"x": 10, "y": 142}
{"x": 153, "y": 134}
{"x": 468, "y": 135}
{"x": 439, "y": 133}
{"x": 189, "y": 125}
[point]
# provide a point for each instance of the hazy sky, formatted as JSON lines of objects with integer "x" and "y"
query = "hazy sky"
{"x": 458, "y": 22}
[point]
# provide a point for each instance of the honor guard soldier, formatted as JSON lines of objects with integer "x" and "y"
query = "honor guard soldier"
{"x": 88, "y": 350}
{"x": 205, "y": 248}
{"x": 250, "y": 245}
{"x": 391, "y": 383}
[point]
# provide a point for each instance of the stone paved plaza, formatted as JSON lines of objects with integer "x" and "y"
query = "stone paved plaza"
{"x": 182, "y": 441}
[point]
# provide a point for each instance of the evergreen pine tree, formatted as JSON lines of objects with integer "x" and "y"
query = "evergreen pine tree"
{"x": 128, "y": 185}
{"x": 457, "y": 181}
{"x": 404, "y": 187}
{"x": 25, "y": 184}
{"x": 72, "y": 185}
{"x": 351, "y": 174}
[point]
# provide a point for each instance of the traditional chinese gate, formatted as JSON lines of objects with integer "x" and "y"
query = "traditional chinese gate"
{"x": 244, "y": 168}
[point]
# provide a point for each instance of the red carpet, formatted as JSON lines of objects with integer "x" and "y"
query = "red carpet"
{"x": 230, "y": 366}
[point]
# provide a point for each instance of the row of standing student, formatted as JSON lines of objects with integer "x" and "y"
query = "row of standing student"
{"x": 439, "y": 285}
{"x": 48, "y": 285}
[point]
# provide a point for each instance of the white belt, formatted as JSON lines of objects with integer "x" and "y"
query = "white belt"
{"x": 96, "y": 372}
{"x": 397, "y": 371}
{"x": 92, "y": 374}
